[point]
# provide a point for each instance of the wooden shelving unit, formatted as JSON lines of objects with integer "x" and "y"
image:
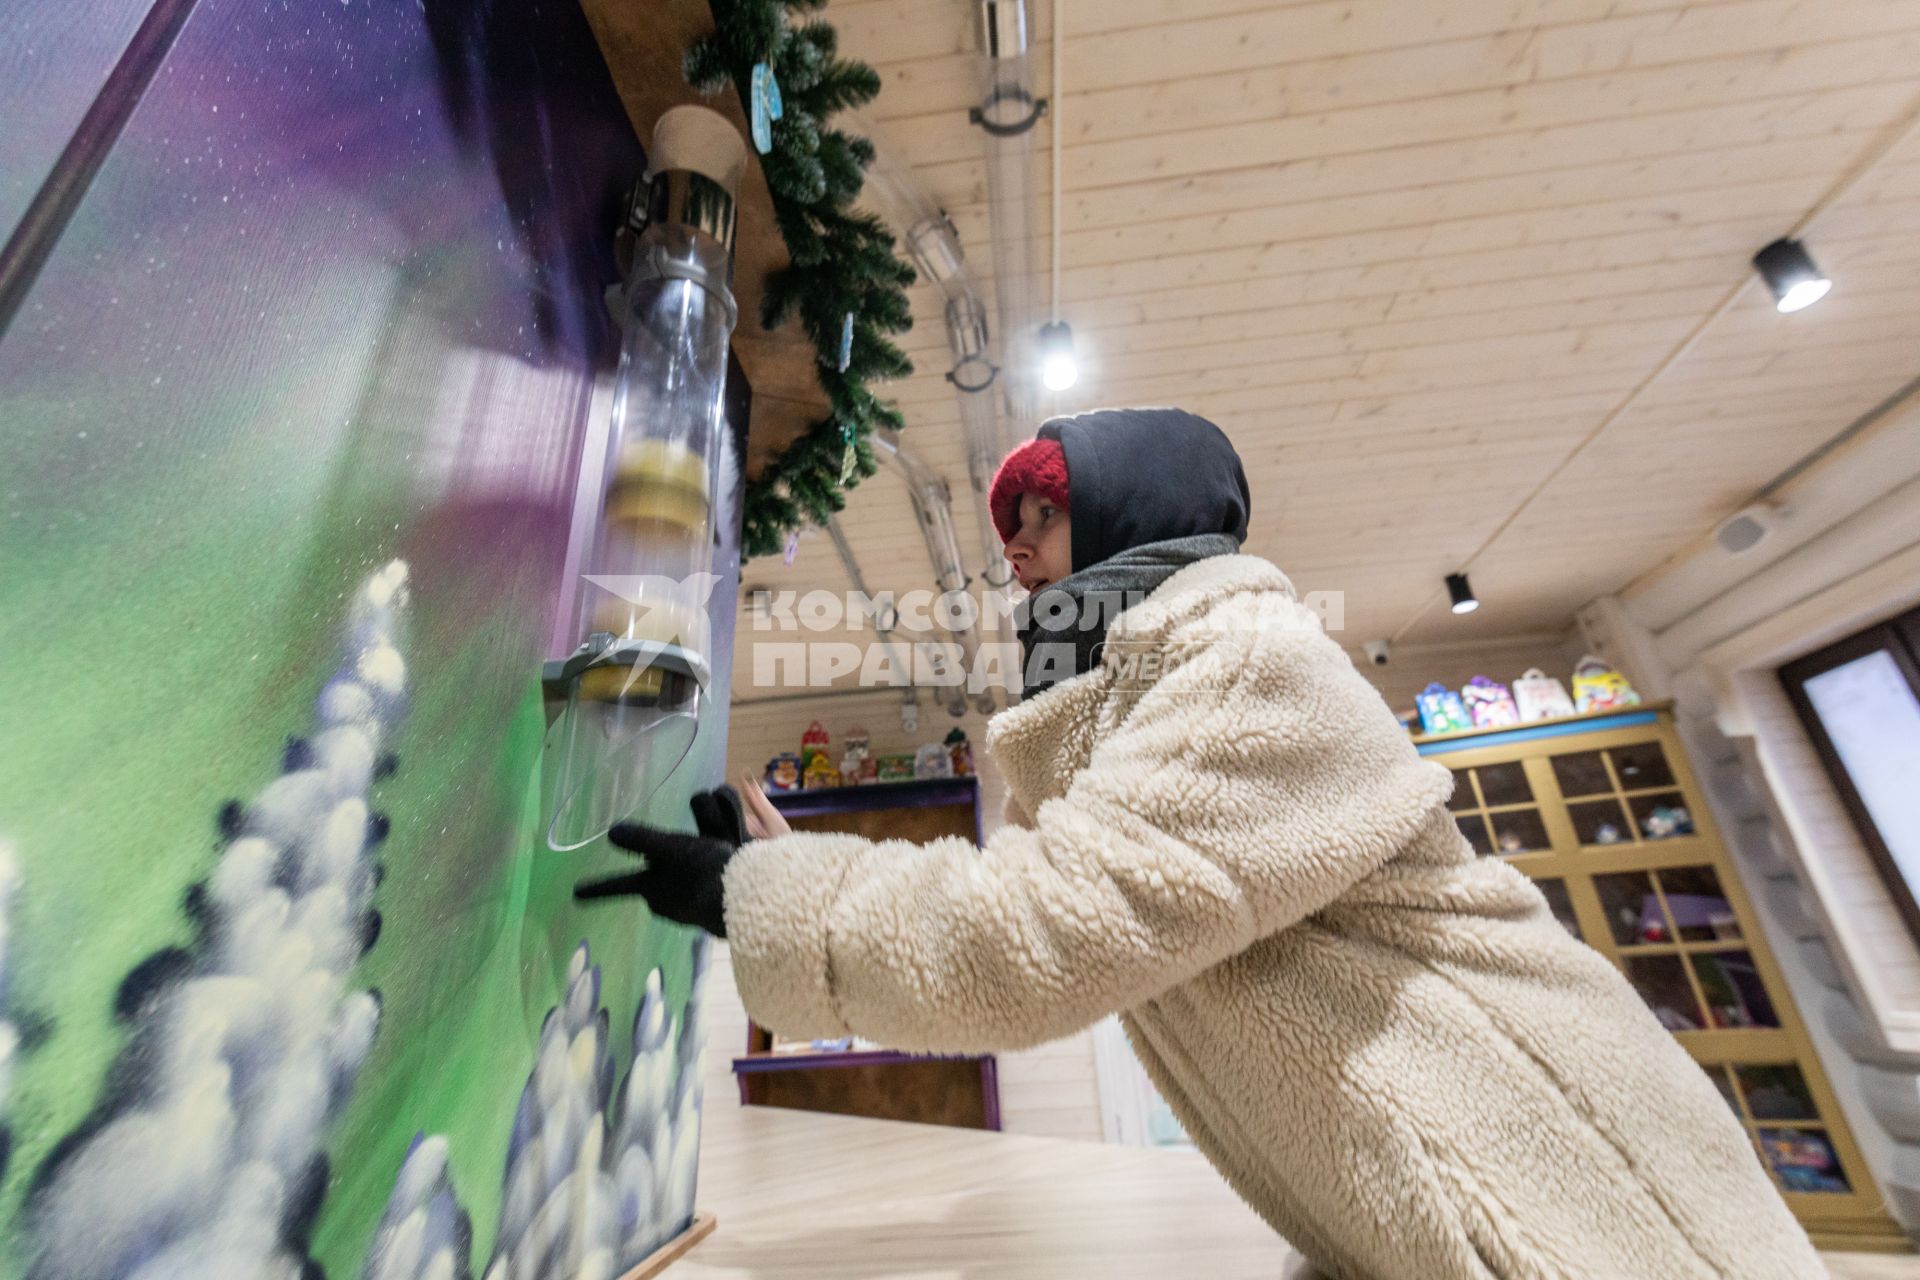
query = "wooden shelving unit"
{"x": 1573, "y": 803}
{"x": 881, "y": 1083}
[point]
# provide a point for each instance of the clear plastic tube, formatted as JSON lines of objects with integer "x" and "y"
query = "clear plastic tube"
{"x": 1006, "y": 114}
{"x": 643, "y": 665}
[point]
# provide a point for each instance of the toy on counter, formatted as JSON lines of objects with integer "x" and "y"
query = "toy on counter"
{"x": 1667, "y": 820}
{"x": 1598, "y": 687}
{"x": 1441, "y": 710}
{"x": 783, "y": 772}
{"x": 1539, "y": 696}
{"x": 960, "y": 752}
{"x": 1607, "y": 833}
{"x": 813, "y": 744}
{"x": 1489, "y": 703}
{"x": 857, "y": 765}
{"x": 896, "y": 768}
{"x": 932, "y": 761}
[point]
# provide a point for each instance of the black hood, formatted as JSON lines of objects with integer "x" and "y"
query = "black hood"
{"x": 1136, "y": 476}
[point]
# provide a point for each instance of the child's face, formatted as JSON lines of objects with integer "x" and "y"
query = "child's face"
{"x": 1042, "y": 551}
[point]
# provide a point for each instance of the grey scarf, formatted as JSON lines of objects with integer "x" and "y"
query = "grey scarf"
{"x": 1063, "y": 625}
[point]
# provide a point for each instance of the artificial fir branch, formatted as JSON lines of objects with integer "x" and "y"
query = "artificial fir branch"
{"x": 842, "y": 261}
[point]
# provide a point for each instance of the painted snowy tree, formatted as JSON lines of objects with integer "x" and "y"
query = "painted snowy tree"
{"x": 590, "y": 1192}
{"x": 9, "y": 1037}
{"x": 205, "y": 1156}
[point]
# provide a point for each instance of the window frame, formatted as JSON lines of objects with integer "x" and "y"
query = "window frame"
{"x": 1898, "y": 636}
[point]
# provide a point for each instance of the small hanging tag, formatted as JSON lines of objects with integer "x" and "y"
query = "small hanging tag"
{"x": 850, "y": 459}
{"x": 793, "y": 547}
{"x": 760, "y": 107}
{"x": 774, "y": 106}
{"x": 846, "y": 341}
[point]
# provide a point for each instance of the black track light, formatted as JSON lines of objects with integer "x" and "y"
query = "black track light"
{"x": 1791, "y": 273}
{"x": 1464, "y": 601}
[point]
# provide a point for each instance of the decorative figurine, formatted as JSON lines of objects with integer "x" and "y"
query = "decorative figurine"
{"x": 1489, "y": 703}
{"x": 1598, "y": 687}
{"x": 820, "y": 773}
{"x": 783, "y": 772}
{"x": 814, "y": 742}
{"x": 1539, "y": 696}
{"x": 857, "y": 765}
{"x": 1441, "y": 710}
{"x": 960, "y": 752}
{"x": 932, "y": 761}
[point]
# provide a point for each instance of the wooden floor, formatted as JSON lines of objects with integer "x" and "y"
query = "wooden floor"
{"x": 807, "y": 1197}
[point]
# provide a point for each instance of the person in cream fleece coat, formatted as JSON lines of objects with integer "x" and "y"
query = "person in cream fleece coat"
{"x": 1387, "y": 1045}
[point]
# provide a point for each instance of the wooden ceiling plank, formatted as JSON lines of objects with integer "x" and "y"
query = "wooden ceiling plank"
{"x": 1385, "y": 106}
{"x": 1306, "y": 210}
{"x": 1231, "y": 306}
{"x": 1515, "y": 52}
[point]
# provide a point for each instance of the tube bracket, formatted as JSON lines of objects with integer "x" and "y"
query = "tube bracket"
{"x": 961, "y": 384}
{"x": 1036, "y": 107}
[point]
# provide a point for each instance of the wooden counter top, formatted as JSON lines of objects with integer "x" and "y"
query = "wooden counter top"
{"x": 801, "y": 1196}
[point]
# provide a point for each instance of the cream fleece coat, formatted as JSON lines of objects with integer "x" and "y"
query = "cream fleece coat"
{"x": 1387, "y": 1045}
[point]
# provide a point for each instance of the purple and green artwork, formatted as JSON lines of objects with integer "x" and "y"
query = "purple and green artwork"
{"x": 292, "y": 403}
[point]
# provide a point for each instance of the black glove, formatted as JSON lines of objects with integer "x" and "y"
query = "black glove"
{"x": 682, "y": 879}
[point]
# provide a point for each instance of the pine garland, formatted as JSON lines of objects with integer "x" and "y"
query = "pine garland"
{"x": 843, "y": 261}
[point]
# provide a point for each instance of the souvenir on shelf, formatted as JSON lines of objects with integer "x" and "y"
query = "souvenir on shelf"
{"x": 1652, "y": 925}
{"x": 1804, "y": 1159}
{"x": 820, "y": 772}
{"x": 1441, "y": 710}
{"x": 960, "y": 752}
{"x": 896, "y": 768}
{"x": 783, "y": 772}
{"x": 857, "y": 765}
{"x": 1539, "y": 696}
{"x": 1489, "y": 703}
{"x": 1598, "y": 687}
{"x": 1667, "y": 820}
{"x": 814, "y": 742}
{"x": 932, "y": 761}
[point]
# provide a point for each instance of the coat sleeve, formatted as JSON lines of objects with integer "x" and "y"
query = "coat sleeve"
{"x": 1247, "y": 788}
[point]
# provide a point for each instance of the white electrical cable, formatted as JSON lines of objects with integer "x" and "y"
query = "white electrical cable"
{"x": 1059, "y": 39}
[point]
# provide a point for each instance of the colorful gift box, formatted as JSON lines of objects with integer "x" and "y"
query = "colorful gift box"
{"x": 1441, "y": 710}
{"x": 1489, "y": 702}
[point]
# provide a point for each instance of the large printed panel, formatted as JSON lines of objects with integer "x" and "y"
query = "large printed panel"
{"x": 56, "y": 60}
{"x": 289, "y": 984}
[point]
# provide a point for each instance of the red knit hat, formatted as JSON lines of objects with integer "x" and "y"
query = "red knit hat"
{"x": 1038, "y": 466}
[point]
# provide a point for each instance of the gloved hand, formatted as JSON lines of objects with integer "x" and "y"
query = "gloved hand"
{"x": 682, "y": 879}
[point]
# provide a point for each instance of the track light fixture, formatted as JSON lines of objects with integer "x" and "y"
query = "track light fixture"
{"x": 1464, "y": 601}
{"x": 1791, "y": 273}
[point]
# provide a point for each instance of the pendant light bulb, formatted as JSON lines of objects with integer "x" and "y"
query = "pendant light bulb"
{"x": 1464, "y": 601}
{"x": 1059, "y": 369}
{"x": 1795, "y": 280}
